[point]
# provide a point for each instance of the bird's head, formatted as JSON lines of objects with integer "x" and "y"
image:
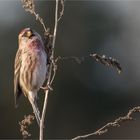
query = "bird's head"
{"x": 27, "y": 35}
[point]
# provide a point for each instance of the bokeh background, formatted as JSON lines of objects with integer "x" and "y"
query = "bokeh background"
{"x": 85, "y": 96}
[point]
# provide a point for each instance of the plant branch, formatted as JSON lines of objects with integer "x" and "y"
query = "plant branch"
{"x": 115, "y": 123}
{"x": 50, "y": 77}
{"x": 29, "y": 6}
{"x": 107, "y": 61}
{"x": 62, "y": 9}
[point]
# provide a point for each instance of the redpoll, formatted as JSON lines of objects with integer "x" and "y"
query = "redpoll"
{"x": 30, "y": 67}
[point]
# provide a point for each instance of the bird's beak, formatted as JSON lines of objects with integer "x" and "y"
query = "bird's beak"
{"x": 29, "y": 34}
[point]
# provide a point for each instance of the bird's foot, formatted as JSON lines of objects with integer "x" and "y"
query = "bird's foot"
{"x": 47, "y": 87}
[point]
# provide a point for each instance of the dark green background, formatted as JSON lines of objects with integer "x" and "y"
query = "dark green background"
{"x": 86, "y": 96}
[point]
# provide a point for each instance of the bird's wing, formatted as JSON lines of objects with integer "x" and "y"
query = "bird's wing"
{"x": 17, "y": 88}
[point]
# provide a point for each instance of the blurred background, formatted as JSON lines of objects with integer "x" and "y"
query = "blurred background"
{"x": 85, "y": 96}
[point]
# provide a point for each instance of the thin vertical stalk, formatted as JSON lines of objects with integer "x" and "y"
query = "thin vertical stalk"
{"x": 49, "y": 74}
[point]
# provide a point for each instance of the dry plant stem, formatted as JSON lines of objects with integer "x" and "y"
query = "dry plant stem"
{"x": 42, "y": 120}
{"x": 43, "y": 116}
{"x": 53, "y": 43}
{"x": 116, "y": 123}
{"x": 107, "y": 61}
{"x": 29, "y": 6}
{"x": 50, "y": 73}
{"x": 41, "y": 21}
{"x": 62, "y": 10}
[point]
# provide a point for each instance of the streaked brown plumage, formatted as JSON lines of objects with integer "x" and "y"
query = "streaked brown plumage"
{"x": 30, "y": 67}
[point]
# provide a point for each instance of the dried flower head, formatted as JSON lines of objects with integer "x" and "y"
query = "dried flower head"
{"x": 24, "y": 124}
{"x": 28, "y": 5}
{"x": 111, "y": 62}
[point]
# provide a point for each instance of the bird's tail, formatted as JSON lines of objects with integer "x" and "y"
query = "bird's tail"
{"x": 32, "y": 99}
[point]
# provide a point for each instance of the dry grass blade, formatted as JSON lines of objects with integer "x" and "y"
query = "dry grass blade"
{"x": 111, "y": 62}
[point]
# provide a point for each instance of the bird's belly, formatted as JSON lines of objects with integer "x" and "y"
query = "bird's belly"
{"x": 39, "y": 74}
{"x": 34, "y": 72}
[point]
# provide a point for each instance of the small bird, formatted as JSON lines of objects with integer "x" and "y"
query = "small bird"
{"x": 30, "y": 68}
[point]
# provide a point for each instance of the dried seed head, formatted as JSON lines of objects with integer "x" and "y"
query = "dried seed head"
{"x": 28, "y": 5}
